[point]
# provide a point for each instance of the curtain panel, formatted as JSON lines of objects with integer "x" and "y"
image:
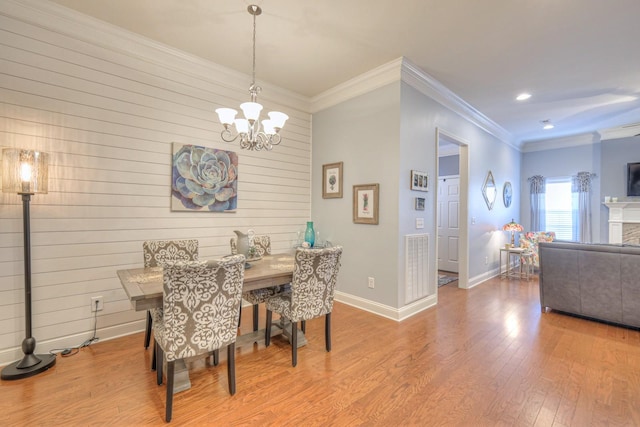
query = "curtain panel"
{"x": 537, "y": 190}
{"x": 581, "y": 187}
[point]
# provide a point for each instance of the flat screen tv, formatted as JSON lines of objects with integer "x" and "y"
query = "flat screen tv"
{"x": 633, "y": 179}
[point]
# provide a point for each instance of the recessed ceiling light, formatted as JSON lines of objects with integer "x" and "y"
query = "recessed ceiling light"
{"x": 523, "y": 96}
{"x": 546, "y": 124}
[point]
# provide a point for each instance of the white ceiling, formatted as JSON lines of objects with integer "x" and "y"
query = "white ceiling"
{"x": 579, "y": 59}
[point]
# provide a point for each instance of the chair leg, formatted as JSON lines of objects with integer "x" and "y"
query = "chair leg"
{"x": 170, "y": 371}
{"x": 216, "y": 357}
{"x": 294, "y": 343}
{"x": 147, "y": 331}
{"x": 256, "y": 314}
{"x": 159, "y": 356}
{"x": 267, "y": 331}
{"x": 303, "y": 326}
{"x": 327, "y": 331}
{"x": 153, "y": 359}
{"x": 231, "y": 367}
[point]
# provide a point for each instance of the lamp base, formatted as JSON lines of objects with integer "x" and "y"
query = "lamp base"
{"x": 13, "y": 372}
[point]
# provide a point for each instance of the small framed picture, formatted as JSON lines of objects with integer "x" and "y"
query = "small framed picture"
{"x": 365, "y": 203}
{"x": 419, "y": 203}
{"x": 419, "y": 181}
{"x": 332, "y": 181}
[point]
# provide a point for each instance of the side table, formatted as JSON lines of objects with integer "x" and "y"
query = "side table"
{"x": 516, "y": 253}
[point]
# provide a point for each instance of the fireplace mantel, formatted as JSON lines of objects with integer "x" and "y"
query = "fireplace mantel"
{"x": 624, "y": 212}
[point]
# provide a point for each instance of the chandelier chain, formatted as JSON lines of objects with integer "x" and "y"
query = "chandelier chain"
{"x": 253, "y": 76}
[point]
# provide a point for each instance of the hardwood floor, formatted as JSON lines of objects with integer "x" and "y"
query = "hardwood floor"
{"x": 482, "y": 357}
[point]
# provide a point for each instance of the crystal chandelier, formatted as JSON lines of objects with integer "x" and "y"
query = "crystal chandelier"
{"x": 252, "y": 135}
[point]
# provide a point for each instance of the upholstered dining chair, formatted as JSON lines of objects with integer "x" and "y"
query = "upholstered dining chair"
{"x": 160, "y": 252}
{"x": 313, "y": 287}
{"x": 201, "y": 304}
{"x": 262, "y": 245}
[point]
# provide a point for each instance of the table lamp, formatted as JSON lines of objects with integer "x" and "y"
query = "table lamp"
{"x": 512, "y": 227}
{"x": 26, "y": 172}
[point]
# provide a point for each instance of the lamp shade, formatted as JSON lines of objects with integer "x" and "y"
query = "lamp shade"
{"x": 278, "y": 119}
{"x": 226, "y": 115}
{"x": 251, "y": 110}
{"x": 25, "y": 171}
{"x": 512, "y": 226}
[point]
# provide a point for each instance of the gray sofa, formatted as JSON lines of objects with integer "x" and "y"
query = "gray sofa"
{"x": 599, "y": 281}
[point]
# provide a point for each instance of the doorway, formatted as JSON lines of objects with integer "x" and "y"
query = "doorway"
{"x": 452, "y": 206}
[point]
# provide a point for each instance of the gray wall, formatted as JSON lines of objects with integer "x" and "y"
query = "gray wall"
{"x": 563, "y": 162}
{"x": 363, "y": 132}
{"x": 449, "y": 165}
{"x": 350, "y": 132}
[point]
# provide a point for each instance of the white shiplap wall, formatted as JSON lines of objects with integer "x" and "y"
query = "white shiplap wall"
{"x": 107, "y": 105}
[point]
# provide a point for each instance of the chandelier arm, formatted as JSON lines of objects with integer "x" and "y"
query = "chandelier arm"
{"x": 227, "y": 136}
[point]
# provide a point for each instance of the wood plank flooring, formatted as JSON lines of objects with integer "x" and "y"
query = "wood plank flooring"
{"x": 482, "y": 357}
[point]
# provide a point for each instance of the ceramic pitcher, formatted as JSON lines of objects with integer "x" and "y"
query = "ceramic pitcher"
{"x": 245, "y": 241}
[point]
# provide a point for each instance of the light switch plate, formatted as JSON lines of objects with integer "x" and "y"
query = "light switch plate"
{"x": 419, "y": 222}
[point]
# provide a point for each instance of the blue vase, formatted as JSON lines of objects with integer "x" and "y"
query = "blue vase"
{"x": 309, "y": 234}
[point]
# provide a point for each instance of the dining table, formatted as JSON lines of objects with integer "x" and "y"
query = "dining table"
{"x": 143, "y": 286}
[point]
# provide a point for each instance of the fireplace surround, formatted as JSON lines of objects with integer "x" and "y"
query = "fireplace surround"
{"x": 624, "y": 222}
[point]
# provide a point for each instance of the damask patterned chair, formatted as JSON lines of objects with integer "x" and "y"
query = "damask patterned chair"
{"x": 262, "y": 245}
{"x": 312, "y": 289}
{"x": 158, "y": 253}
{"x": 201, "y": 305}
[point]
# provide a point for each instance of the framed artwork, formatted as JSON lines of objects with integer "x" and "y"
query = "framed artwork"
{"x": 365, "y": 203}
{"x": 419, "y": 181}
{"x": 419, "y": 203}
{"x": 507, "y": 194}
{"x": 203, "y": 179}
{"x": 332, "y": 181}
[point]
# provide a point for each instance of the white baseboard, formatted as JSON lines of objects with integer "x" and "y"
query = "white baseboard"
{"x": 13, "y": 354}
{"x": 397, "y": 314}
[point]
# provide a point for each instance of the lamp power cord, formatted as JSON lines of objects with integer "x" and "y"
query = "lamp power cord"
{"x": 71, "y": 351}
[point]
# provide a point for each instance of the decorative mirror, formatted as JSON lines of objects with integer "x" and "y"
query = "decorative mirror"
{"x": 489, "y": 190}
{"x": 507, "y": 194}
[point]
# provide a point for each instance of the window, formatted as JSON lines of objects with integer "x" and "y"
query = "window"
{"x": 561, "y": 208}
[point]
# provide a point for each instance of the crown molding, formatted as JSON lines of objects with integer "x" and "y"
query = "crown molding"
{"x": 378, "y": 77}
{"x": 429, "y": 86}
{"x": 564, "y": 142}
{"x": 626, "y": 131}
{"x": 59, "y": 19}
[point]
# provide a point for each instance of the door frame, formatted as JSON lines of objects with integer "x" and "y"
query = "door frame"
{"x": 463, "y": 247}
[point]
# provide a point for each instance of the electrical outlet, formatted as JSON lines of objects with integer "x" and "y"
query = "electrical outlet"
{"x": 486, "y": 260}
{"x": 372, "y": 282}
{"x": 97, "y": 303}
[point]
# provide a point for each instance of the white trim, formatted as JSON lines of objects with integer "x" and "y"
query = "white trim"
{"x": 432, "y": 88}
{"x": 481, "y": 278}
{"x": 378, "y": 77}
{"x": 105, "y": 334}
{"x": 397, "y": 314}
{"x": 564, "y": 142}
{"x": 620, "y": 132}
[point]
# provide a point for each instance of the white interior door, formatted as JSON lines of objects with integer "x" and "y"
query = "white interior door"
{"x": 448, "y": 222}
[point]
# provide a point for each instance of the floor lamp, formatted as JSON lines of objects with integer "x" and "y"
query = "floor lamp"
{"x": 26, "y": 172}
